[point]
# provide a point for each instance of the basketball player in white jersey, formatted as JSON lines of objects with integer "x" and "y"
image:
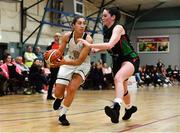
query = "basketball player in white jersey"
{"x": 74, "y": 67}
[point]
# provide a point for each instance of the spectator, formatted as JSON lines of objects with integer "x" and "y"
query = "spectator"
{"x": 138, "y": 77}
{"x": 169, "y": 73}
{"x": 98, "y": 75}
{"x": 3, "y": 79}
{"x": 108, "y": 77}
{"x": 175, "y": 72}
{"x": 39, "y": 53}
{"x": 156, "y": 77}
{"x": 146, "y": 74}
{"x": 12, "y": 72}
{"x": 159, "y": 65}
{"x": 36, "y": 76}
{"x": 29, "y": 56}
{"x": 21, "y": 65}
{"x": 178, "y": 76}
{"x": 1, "y": 62}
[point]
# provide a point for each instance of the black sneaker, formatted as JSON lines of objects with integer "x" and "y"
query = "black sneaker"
{"x": 129, "y": 112}
{"x": 113, "y": 113}
{"x": 63, "y": 120}
{"x": 50, "y": 98}
{"x": 57, "y": 103}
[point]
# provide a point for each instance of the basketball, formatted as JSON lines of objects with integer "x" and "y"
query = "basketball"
{"x": 51, "y": 56}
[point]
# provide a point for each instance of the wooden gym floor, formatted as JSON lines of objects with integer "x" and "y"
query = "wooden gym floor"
{"x": 158, "y": 111}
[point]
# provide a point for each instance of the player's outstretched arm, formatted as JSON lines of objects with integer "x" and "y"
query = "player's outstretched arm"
{"x": 116, "y": 35}
{"x": 83, "y": 54}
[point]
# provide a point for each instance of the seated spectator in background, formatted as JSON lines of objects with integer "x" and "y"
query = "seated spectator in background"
{"x": 163, "y": 70}
{"x": 95, "y": 79}
{"x": 169, "y": 73}
{"x": 107, "y": 72}
{"x": 12, "y": 71}
{"x": 36, "y": 76}
{"x": 106, "y": 69}
{"x": 175, "y": 72}
{"x": 155, "y": 76}
{"x": 39, "y": 53}
{"x": 29, "y": 56}
{"x": 10, "y": 68}
{"x": 159, "y": 65}
{"x": 147, "y": 75}
{"x": 3, "y": 79}
{"x": 45, "y": 70}
{"x": 21, "y": 65}
{"x": 178, "y": 76}
{"x": 98, "y": 76}
{"x": 138, "y": 77}
{"x": 1, "y": 62}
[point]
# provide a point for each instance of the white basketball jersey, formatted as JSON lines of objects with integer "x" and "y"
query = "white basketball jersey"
{"x": 73, "y": 50}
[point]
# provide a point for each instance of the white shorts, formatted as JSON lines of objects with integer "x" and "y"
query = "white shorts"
{"x": 65, "y": 73}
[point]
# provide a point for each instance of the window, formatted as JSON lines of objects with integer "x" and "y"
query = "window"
{"x": 78, "y": 7}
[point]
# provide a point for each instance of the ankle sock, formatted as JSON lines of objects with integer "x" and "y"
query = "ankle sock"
{"x": 128, "y": 106}
{"x": 63, "y": 110}
{"x": 118, "y": 100}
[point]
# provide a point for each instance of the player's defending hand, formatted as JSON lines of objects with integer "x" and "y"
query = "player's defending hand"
{"x": 86, "y": 43}
{"x": 95, "y": 50}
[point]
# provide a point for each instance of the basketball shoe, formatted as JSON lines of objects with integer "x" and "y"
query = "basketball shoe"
{"x": 63, "y": 120}
{"x": 113, "y": 113}
{"x": 129, "y": 112}
{"x": 57, "y": 103}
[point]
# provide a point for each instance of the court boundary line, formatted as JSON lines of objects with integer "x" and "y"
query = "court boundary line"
{"x": 131, "y": 127}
